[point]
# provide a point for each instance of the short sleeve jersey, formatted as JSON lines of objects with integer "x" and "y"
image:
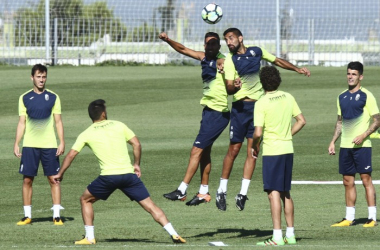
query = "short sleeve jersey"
{"x": 247, "y": 67}
{"x": 108, "y": 140}
{"x": 39, "y": 110}
{"x": 214, "y": 90}
{"x": 274, "y": 112}
{"x": 356, "y": 110}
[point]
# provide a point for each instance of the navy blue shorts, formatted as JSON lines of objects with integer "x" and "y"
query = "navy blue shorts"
{"x": 131, "y": 185}
{"x": 212, "y": 125}
{"x": 31, "y": 158}
{"x": 241, "y": 125}
{"x": 277, "y": 172}
{"x": 355, "y": 160}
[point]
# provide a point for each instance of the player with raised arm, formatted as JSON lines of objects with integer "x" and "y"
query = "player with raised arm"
{"x": 108, "y": 140}
{"x": 244, "y": 63}
{"x": 39, "y": 109}
{"x": 273, "y": 122}
{"x": 215, "y": 116}
{"x": 356, "y": 108}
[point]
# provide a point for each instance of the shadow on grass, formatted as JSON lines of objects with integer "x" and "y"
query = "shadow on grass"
{"x": 50, "y": 219}
{"x": 133, "y": 240}
{"x": 361, "y": 221}
{"x": 241, "y": 233}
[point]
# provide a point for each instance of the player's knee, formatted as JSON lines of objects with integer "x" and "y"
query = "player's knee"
{"x": 27, "y": 181}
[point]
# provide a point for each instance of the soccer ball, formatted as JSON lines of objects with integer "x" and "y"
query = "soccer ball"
{"x": 212, "y": 13}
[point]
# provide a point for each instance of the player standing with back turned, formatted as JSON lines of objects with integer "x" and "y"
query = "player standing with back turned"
{"x": 273, "y": 122}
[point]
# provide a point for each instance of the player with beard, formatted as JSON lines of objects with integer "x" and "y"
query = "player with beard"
{"x": 244, "y": 63}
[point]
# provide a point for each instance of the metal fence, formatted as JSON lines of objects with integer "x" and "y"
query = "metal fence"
{"x": 312, "y": 32}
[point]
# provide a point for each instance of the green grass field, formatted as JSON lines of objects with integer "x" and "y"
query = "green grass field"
{"x": 161, "y": 105}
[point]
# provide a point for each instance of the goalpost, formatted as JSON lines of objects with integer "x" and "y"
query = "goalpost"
{"x": 313, "y": 32}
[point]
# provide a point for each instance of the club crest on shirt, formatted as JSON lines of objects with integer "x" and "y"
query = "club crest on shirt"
{"x": 357, "y": 97}
{"x": 46, "y": 97}
{"x": 252, "y": 52}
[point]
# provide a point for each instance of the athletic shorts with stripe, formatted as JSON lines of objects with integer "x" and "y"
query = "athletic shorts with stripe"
{"x": 212, "y": 125}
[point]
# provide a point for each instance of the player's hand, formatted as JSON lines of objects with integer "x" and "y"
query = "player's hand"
{"x": 304, "y": 71}
{"x": 255, "y": 152}
{"x": 358, "y": 140}
{"x": 220, "y": 65}
{"x": 137, "y": 170}
{"x": 57, "y": 178}
{"x": 60, "y": 149}
{"x": 332, "y": 149}
{"x": 237, "y": 83}
{"x": 16, "y": 151}
{"x": 163, "y": 36}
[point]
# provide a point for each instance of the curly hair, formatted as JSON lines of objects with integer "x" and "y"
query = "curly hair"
{"x": 270, "y": 78}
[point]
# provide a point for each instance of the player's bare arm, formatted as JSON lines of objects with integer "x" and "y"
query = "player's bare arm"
{"x": 59, "y": 126}
{"x": 289, "y": 66}
{"x": 136, "y": 154}
{"x": 372, "y": 128}
{"x": 19, "y": 133}
{"x": 180, "y": 48}
{"x": 337, "y": 133}
{"x": 299, "y": 124}
{"x": 256, "y": 141}
{"x": 65, "y": 165}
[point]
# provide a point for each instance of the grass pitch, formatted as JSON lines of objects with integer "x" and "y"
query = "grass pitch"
{"x": 161, "y": 105}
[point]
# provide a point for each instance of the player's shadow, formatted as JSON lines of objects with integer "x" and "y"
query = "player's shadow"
{"x": 240, "y": 233}
{"x": 131, "y": 240}
{"x": 50, "y": 219}
{"x": 361, "y": 221}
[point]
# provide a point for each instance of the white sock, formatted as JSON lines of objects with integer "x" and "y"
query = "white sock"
{"x": 89, "y": 232}
{"x": 183, "y": 187}
{"x": 277, "y": 234}
{"x": 223, "y": 186}
{"x": 56, "y": 210}
{"x": 203, "y": 189}
{"x": 289, "y": 232}
{"x": 244, "y": 186}
{"x": 372, "y": 213}
{"x": 28, "y": 211}
{"x": 170, "y": 229}
{"x": 350, "y": 213}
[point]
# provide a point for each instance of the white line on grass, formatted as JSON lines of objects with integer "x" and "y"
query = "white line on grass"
{"x": 329, "y": 182}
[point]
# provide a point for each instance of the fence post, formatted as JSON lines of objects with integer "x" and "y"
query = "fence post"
{"x": 55, "y": 42}
{"x": 47, "y": 29}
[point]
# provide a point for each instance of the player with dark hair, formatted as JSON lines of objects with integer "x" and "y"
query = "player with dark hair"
{"x": 215, "y": 116}
{"x": 108, "y": 140}
{"x": 273, "y": 122}
{"x": 39, "y": 109}
{"x": 243, "y": 63}
{"x": 356, "y": 107}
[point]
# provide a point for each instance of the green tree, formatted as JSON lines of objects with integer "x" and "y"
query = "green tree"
{"x": 78, "y": 24}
